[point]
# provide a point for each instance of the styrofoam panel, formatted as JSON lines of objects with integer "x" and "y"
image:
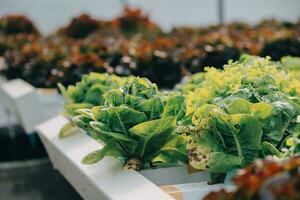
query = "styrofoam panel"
{"x": 193, "y": 191}
{"x": 103, "y": 180}
{"x": 174, "y": 175}
{"x": 51, "y": 101}
{"x": 27, "y": 106}
{"x": 21, "y": 102}
{"x": 4, "y": 121}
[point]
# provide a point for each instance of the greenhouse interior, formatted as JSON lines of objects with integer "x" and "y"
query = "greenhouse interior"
{"x": 149, "y": 100}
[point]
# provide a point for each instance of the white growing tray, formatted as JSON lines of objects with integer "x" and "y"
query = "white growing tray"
{"x": 106, "y": 179}
{"x": 3, "y": 118}
{"x": 25, "y": 105}
{"x": 21, "y": 104}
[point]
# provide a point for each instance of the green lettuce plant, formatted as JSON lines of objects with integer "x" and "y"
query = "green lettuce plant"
{"x": 137, "y": 124}
{"x": 234, "y": 116}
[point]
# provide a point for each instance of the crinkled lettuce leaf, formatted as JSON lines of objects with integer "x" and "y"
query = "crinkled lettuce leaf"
{"x": 89, "y": 91}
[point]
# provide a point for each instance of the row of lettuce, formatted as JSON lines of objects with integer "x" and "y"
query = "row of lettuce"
{"x": 132, "y": 44}
{"x": 218, "y": 120}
